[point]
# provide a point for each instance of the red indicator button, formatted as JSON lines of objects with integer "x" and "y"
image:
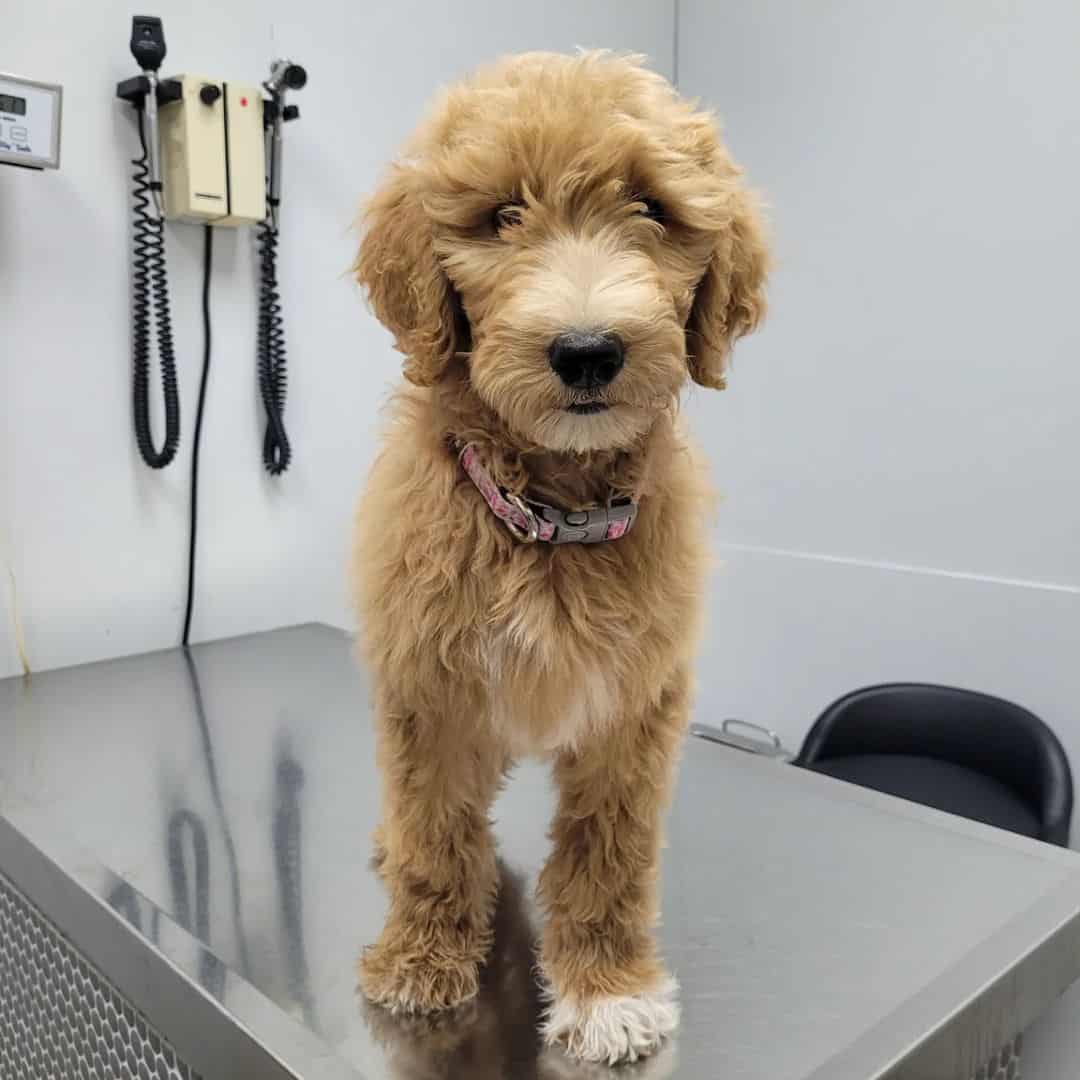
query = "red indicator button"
{"x": 243, "y": 102}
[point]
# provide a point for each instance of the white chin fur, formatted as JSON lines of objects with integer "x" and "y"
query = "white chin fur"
{"x": 618, "y": 426}
{"x": 614, "y": 1029}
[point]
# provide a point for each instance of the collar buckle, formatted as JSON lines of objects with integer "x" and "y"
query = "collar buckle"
{"x": 590, "y": 526}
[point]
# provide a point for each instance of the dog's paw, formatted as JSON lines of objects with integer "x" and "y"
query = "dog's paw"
{"x": 408, "y": 981}
{"x": 614, "y": 1029}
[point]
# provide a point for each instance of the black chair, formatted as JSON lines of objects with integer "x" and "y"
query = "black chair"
{"x": 967, "y": 753}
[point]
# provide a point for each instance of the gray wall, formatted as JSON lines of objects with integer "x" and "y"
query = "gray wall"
{"x": 899, "y": 446}
{"x": 97, "y": 541}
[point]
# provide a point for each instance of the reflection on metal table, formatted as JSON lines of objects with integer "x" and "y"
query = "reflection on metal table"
{"x": 184, "y": 889}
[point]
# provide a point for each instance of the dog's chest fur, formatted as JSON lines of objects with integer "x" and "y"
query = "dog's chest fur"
{"x": 547, "y": 688}
{"x": 576, "y": 639}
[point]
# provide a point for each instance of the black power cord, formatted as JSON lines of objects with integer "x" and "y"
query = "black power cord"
{"x": 270, "y": 353}
{"x": 193, "y": 526}
{"x": 150, "y": 287}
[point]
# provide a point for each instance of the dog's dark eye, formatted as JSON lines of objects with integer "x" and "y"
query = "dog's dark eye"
{"x": 651, "y": 208}
{"x": 506, "y": 216}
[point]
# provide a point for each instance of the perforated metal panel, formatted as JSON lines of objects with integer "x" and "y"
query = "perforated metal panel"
{"x": 1004, "y": 1065}
{"x": 60, "y": 1019}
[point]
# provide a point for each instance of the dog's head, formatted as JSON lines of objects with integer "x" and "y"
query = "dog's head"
{"x": 578, "y": 236}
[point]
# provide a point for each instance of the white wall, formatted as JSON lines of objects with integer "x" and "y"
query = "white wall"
{"x": 899, "y": 446}
{"x": 96, "y": 541}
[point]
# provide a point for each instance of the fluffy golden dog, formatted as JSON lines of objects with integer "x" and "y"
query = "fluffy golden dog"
{"x": 561, "y": 245}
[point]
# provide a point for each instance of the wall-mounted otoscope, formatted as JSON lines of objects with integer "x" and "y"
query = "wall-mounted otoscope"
{"x": 270, "y": 342}
{"x": 148, "y": 48}
{"x": 284, "y": 75}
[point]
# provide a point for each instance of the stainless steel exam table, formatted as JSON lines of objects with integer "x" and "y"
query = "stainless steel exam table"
{"x": 184, "y": 888}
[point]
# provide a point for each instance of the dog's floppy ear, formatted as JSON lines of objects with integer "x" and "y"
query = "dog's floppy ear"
{"x": 730, "y": 298}
{"x": 409, "y": 291}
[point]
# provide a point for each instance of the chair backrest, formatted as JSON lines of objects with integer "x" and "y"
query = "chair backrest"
{"x": 980, "y": 732}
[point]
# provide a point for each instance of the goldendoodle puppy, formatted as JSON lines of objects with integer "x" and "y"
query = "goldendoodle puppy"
{"x": 561, "y": 245}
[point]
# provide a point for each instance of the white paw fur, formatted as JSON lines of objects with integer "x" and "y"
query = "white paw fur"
{"x": 614, "y": 1029}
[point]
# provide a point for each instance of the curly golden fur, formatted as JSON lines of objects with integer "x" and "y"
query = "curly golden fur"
{"x": 547, "y": 194}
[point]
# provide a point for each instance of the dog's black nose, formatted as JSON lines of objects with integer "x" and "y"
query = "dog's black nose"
{"x": 586, "y": 361}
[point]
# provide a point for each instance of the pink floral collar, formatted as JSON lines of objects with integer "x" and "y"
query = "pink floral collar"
{"x": 529, "y": 521}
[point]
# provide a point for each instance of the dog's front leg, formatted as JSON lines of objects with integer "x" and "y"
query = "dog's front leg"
{"x": 611, "y": 999}
{"x": 437, "y": 858}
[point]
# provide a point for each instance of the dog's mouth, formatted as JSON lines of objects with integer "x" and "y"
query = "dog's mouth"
{"x": 587, "y": 408}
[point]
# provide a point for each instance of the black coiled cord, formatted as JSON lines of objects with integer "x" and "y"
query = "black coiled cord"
{"x": 270, "y": 353}
{"x": 151, "y": 289}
